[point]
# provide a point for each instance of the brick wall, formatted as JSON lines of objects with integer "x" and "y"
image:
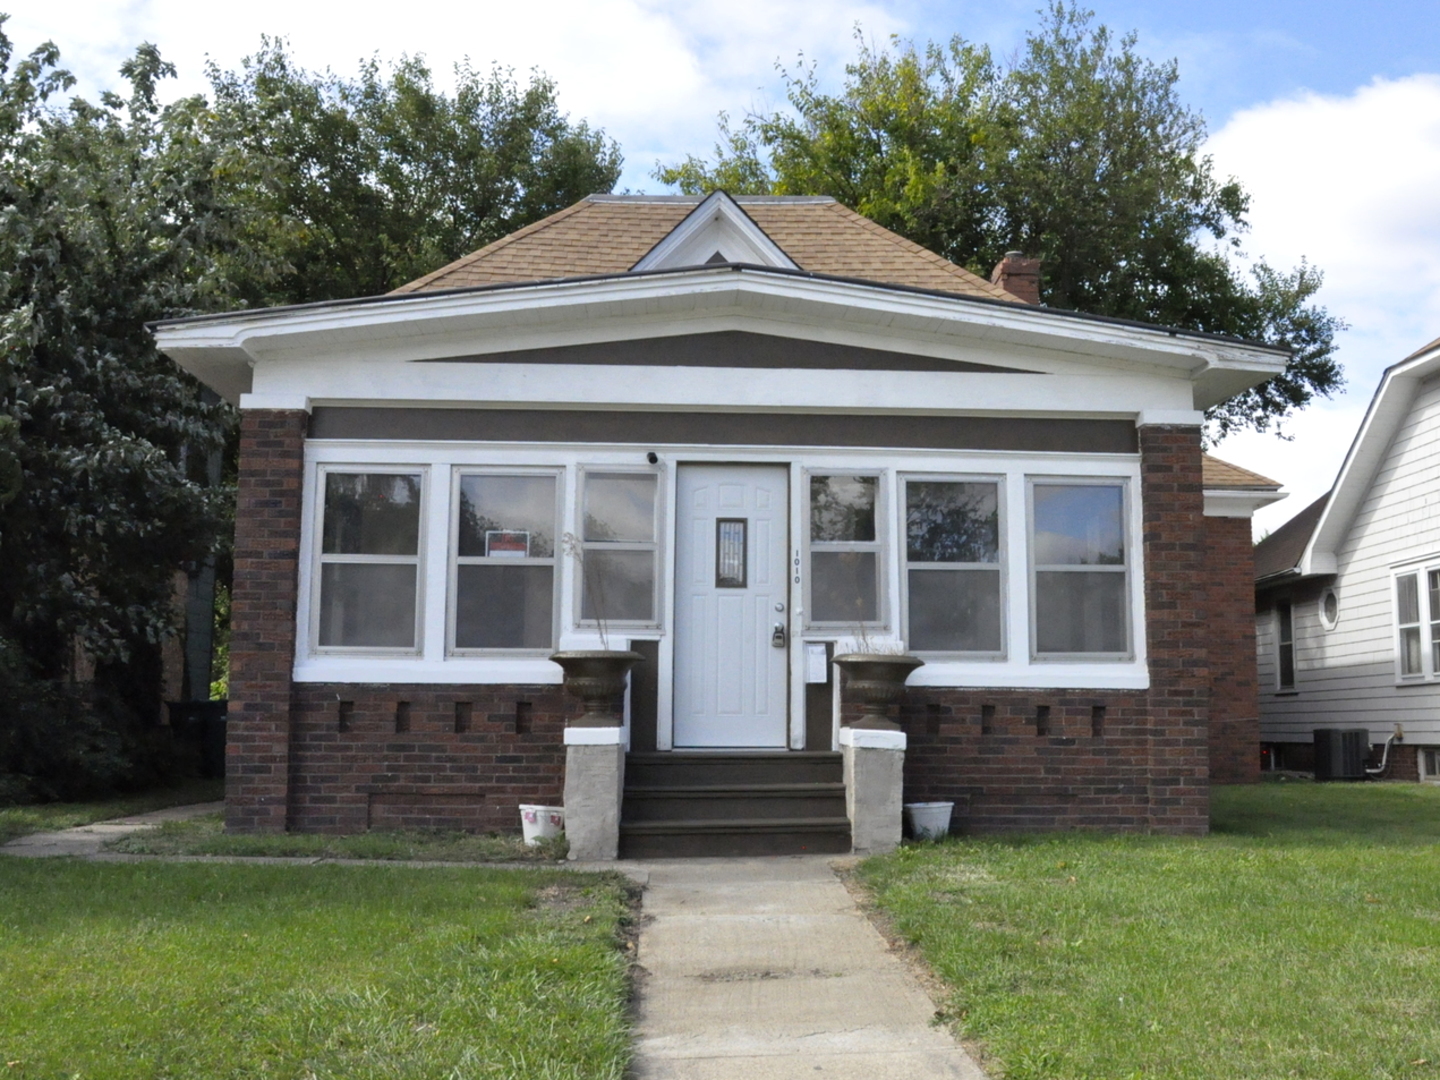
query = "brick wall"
{"x": 262, "y": 619}
{"x": 431, "y": 757}
{"x": 1234, "y": 694}
{"x": 1081, "y": 758}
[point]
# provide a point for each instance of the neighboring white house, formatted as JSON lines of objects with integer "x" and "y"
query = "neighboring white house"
{"x": 1348, "y": 592}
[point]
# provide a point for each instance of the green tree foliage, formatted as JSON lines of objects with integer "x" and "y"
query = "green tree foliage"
{"x": 373, "y": 181}
{"x": 284, "y": 187}
{"x": 1080, "y": 152}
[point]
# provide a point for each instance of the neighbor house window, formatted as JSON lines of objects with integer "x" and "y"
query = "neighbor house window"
{"x": 1080, "y": 593}
{"x": 619, "y": 551}
{"x": 1284, "y": 645}
{"x": 844, "y": 550}
{"x": 1407, "y": 619}
{"x": 369, "y": 560}
{"x": 952, "y": 566}
{"x": 505, "y": 562}
{"x": 1432, "y": 578}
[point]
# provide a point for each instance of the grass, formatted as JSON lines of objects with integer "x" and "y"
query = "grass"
{"x": 43, "y": 817}
{"x": 206, "y": 836}
{"x": 155, "y": 970}
{"x": 1300, "y": 939}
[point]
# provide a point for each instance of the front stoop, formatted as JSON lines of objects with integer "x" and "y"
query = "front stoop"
{"x": 680, "y": 804}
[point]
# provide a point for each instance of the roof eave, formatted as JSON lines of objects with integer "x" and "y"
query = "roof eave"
{"x": 220, "y": 348}
{"x": 1383, "y": 417}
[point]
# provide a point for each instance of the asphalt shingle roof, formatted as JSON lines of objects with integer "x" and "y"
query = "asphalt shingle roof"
{"x": 608, "y": 234}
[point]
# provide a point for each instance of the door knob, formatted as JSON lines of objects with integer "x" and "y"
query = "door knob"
{"x": 778, "y": 637}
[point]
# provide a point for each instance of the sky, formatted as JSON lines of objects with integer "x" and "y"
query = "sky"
{"x": 1328, "y": 113}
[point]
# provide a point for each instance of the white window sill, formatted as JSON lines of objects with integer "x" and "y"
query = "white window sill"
{"x": 490, "y": 670}
{"x": 1048, "y": 675}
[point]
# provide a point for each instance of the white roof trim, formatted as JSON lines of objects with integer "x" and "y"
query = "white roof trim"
{"x": 1239, "y": 502}
{"x": 220, "y": 350}
{"x": 1387, "y": 412}
{"x": 716, "y": 226}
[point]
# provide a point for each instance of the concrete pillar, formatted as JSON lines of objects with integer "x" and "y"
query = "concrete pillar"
{"x": 594, "y": 787}
{"x": 874, "y": 787}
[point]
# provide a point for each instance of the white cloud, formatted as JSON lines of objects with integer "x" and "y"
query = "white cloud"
{"x": 1353, "y": 184}
{"x": 653, "y": 74}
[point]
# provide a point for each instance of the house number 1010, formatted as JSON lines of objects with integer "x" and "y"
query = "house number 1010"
{"x": 797, "y": 566}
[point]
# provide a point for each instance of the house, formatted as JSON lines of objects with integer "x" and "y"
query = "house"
{"x": 1348, "y": 592}
{"x": 770, "y": 430}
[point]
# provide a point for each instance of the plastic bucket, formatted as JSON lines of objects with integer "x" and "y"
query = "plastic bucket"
{"x": 539, "y": 822}
{"x": 929, "y": 820}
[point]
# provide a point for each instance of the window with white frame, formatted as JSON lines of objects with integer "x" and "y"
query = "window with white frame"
{"x": 619, "y": 550}
{"x": 953, "y": 583}
{"x": 369, "y": 560}
{"x": 845, "y": 551}
{"x": 1407, "y": 623}
{"x": 504, "y": 579}
{"x": 1080, "y": 595}
{"x": 1284, "y": 645}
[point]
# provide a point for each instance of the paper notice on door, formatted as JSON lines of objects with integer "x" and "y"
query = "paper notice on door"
{"x": 817, "y": 664}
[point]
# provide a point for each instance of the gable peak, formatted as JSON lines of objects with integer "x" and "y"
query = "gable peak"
{"x": 717, "y": 231}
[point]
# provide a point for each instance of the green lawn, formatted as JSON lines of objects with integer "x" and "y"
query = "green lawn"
{"x": 207, "y": 836}
{"x": 1300, "y": 939}
{"x": 191, "y": 971}
{"x": 22, "y": 820}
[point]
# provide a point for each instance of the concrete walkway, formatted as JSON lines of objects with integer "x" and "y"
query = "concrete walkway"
{"x": 766, "y": 968}
{"x": 87, "y": 840}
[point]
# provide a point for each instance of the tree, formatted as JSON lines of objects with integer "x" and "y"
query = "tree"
{"x": 1080, "y": 152}
{"x": 373, "y": 181}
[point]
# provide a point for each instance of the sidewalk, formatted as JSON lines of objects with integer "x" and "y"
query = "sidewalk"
{"x": 747, "y": 967}
{"x": 766, "y": 968}
{"x": 88, "y": 839}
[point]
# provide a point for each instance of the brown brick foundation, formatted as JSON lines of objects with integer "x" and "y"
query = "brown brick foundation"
{"x": 430, "y": 757}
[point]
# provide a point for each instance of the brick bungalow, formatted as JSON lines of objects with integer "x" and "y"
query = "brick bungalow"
{"x": 771, "y": 430}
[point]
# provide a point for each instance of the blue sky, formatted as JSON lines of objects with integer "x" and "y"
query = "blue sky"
{"x": 1329, "y": 114}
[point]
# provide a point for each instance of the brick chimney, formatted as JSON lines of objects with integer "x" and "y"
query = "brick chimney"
{"x": 1018, "y": 276}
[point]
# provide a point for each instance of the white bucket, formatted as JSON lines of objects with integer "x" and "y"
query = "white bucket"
{"x": 930, "y": 820}
{"x": 540, "y": 822}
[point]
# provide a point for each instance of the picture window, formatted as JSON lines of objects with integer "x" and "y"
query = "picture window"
{"x": 1080, "y": 596}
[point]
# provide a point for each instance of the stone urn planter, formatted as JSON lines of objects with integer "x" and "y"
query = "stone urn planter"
{"x": 876, "y": 681}
{"x": 596, "y": 677}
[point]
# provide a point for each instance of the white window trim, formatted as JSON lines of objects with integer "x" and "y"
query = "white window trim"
{"x": 657, "y": 547}
{"x": 1420, "y": 570}
{"x": 1132, "y": 549}
{"x": 453, "y": 557}
{"x": 1282, "y": 687}
{"x": 316, "y": 558}
{"x": 880, "y": 625}
{"x": 1001, "y": 565}
{"x": 436, "y": 667}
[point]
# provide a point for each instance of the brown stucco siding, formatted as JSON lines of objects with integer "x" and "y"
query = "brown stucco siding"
{"x": 1016, "y": 433}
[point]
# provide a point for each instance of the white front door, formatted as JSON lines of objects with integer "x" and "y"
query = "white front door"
{"x": 731, "y": 606}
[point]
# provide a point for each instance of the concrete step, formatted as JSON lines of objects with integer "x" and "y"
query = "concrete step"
{"x": 696, "y": 838}
{"x": 681, "y": 768}
{"x": 734, "y": 802}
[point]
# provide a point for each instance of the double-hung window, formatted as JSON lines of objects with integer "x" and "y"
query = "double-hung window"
{"x": 844, "y": 550}
{"x": 619, "y": 549}
{"x": 952, "y": 566}
{"x": 1407, "y": 621}
{"x": 369, "y": 560}
{"x": 1284, "y": 645}
{"x": 1080, "y": 594}
{"x": 504, "y": 580}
